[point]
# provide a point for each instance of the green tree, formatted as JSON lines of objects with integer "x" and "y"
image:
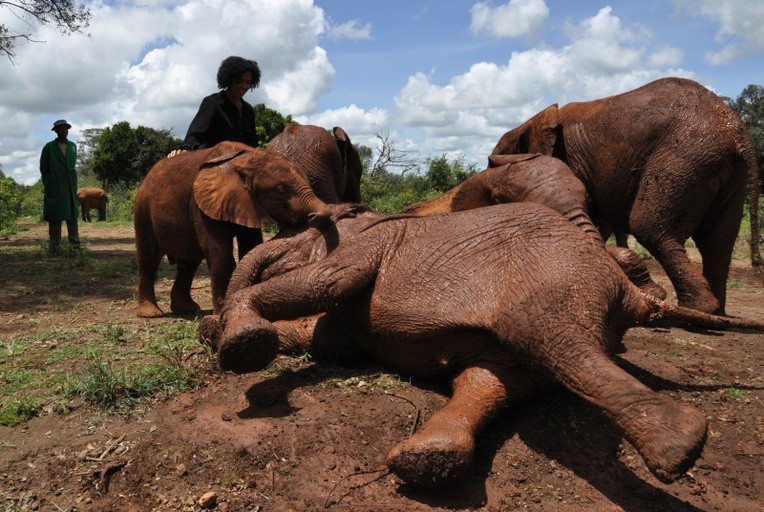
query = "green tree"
{"x": 68, "y": 16}
{"x": 749, "y": 105}
{"x": 268, "y": 124}
{"x": 123, "y": 156}
{"x": 86, "y": 146}
{"x": 112, "y": 159}
{"x": 10, "y": 205}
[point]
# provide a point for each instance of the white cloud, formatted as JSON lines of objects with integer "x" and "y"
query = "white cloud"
{"x": 741, "y": 26}
{"x": 350, "y": 30}
{"x": 154, "y": 70}
{"x": 516, "y": 18}
{"x": 602, "y": 58}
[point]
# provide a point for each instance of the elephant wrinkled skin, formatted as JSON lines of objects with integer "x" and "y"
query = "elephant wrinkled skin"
{"x": 330, "y": 161}
{"x": 502, "y": 300}
{"x": 664, "y": 162}
{"x": 92, "y": 198}
{"x": 191, "y": 206}
{"x": 537, "y": 179}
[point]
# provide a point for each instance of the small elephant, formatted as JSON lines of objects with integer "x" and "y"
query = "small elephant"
{"x": 539, "y": 179}
{"x": 664, "y": 162}
{"x": 329, "y": 160}
{"x": 191, "y": 206}
{"x": 92, "y": 198}
{"x": 502, "y": 301}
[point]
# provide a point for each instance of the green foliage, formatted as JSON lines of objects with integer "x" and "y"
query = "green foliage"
{"x": 749, "y": 105}
{"x": 268, "y": 124}
{"x": 390, "y": 192}
{"x": 121, "y": 204}
{"x": 124, "y": 155}
{"x": 19, "y": 410}
{"x": 11, "y": 196}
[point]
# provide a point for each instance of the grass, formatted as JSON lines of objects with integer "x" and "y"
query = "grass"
{"x": 77, "y": 343}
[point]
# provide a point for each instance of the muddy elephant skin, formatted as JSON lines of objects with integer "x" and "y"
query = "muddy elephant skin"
{"x": 92, "y": 198}
{"x": 191, "y": 206}
{"x": 538, "y": 179}
{"x": 664, "y": 162}
{"x": 330, "y": 161}
{"x": 502, "y": 301}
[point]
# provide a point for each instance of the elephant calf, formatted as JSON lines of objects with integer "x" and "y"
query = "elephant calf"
{"x": 501, "y": 301}
{"x": 92, "y": 198}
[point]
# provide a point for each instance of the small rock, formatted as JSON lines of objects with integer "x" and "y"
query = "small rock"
{"x": 208, "y": 500}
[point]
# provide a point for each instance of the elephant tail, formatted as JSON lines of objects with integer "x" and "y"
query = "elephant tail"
{"x": 747, "y": 151}
{"x": 653, "y": 312}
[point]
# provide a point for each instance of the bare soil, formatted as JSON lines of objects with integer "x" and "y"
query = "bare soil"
{"x": 303, "y": 436}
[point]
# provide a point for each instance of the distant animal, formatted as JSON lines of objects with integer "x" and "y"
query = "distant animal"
{"x": 501, "y": 301}
{"x": 664, "y": 162}
{"x": 92, "y": 198}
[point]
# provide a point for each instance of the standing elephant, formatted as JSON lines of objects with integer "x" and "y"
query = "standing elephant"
{"x": 664, "y": 162}
{"x": 502, "y": 301}
{"x": 537, "y": 179}
{"x": 92, "y": 198}
{"x": 191, "y": 206}
{"x": 329, "y": 160}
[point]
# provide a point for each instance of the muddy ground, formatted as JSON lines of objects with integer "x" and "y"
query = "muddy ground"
{"x": 304, "y": 436}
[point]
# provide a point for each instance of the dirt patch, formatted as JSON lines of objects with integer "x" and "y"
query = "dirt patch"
{"x": 305, "y": 436}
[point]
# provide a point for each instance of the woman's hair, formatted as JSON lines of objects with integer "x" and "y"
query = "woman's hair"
{"x": 232, "y": 69}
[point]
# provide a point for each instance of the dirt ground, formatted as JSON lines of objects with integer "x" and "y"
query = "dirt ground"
{"x": 302, "y": 436}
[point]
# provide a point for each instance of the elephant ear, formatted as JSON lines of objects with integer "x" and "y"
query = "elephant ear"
{"x": 499, "y": 160}
{"x": 537, "y": 135}
{"x": 351, "y": 163}
{"x": 220, "y": 192}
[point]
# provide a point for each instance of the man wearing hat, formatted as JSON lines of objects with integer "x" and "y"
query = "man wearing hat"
{"x": 59, "y": 181}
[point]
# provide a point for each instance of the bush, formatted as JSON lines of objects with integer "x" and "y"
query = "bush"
{"x": 10, "y": 205}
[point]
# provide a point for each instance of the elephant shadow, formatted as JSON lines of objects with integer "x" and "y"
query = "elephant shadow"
{"x": 556, "y": 425}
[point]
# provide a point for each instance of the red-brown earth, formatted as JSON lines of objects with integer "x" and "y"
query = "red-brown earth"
{"x": 305, "y": 436}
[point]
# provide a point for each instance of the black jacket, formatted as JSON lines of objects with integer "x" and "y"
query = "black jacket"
{"x": 217, "y": 120}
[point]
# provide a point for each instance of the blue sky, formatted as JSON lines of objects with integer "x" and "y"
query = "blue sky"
{"x": 446, "y": 77}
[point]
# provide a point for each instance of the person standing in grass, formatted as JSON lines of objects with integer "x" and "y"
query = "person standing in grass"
{"x": 59, "y": 179}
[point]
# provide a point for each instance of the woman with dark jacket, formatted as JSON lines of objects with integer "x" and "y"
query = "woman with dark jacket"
{"x": 225, "y": 115}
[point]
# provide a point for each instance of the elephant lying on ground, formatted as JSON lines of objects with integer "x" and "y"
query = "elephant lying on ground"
{"x": 191, "y": 206}
{"x": 537, "y": 179}
{"x": 92, "y": 198}
{"x": 664, "y": 162}
{"x": 501, "y": 300}
{"x": 329, "y": 160}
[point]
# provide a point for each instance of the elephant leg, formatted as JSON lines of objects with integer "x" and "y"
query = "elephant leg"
{"x": 247, "y": 239}
{"x": 148, "y": 255}
{"x": 636, "y": 269}
{"x": 716, "y": 244}
{"x": 181, "y": 302}
{"x": 668, "y": 435}
{"x": 692, "y": 289}
{"x": 444, "y": 447}
{"x": 318, "y": 335}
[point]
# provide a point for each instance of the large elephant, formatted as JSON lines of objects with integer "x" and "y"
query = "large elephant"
{"x": 191, "y": 206}
{"x": 92, "y": 198}
{"x": 502, "y": 301}
{"x": 538, "y": 179}
{"x": 329, "y": 160}
{"x": 664, "y": 162}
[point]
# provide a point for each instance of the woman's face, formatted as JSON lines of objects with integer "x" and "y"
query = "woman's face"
{"x": 240, "y": 87}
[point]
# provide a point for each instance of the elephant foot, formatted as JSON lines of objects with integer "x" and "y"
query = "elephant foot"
{"x": 430, "y": 460}
{"x": 672, "y": 440}
{"x": 209, "y": 331}
{"x": 247, "y": 346}
{"x": 148, "y": 310}
{"x": 184, "y": 307}
{"x": 654, "y": 289}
